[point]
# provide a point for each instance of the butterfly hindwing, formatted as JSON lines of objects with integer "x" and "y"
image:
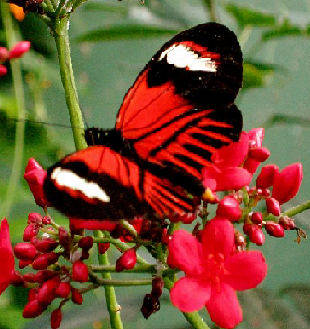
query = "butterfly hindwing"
{"x": 99, "y": 183}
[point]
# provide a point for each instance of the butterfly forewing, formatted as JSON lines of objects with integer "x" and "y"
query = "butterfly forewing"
{"x": 180, "y": 109}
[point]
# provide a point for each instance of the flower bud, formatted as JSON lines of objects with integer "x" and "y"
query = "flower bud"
{"x": 79, "y": 272}
{"x": 4, "y": 54}
{"x": 19, "y": 49}
{"x": 45, "y": 275}
{"x": 56, "y": 317}
{"x": 63, "y": 290}
{"x": 32, "y": 309}
{"x": 47, "y": 292}
{"x": 273, "y": 206}
{"x": 86, "y": 242}
{"x": 35, "y": 218}
{"x": 127, "y": 261}
{"x": 76, "y": 297}
{"x": 33, "y": 294}
{"x": 186, "y": 218}
{"x": 259, "y": 154}
{"x": 103, "y": 247}
{"x": 3, "y": 70}
{"x": 64, "y": 237}
{"x": 30, "y": 231}
{"x": 46, "y": 245}
{"x": 257, "y": 217}
{"x": 24, "y": 250}
{"x": 287, "y": 223}
{"x": 16, "y": 279}
{"x": 24, "y": 262}
{"x": 274, "y": 229}
{"x": 229, "y": 208}
{"x": 35, "y": 176}
{"x": 256, "y": 235}
{"x": 46, "y": 220}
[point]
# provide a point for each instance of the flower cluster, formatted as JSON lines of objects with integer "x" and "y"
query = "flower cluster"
{"x": 17, "y": 51}
{"x": 214, "y": 256}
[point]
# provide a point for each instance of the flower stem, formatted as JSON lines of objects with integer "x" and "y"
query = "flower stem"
{"x": 113, "y": 307}
{"x": 20, "y": 110}
{"x": 60, "y": 31}
{"x": 297, "y": 210}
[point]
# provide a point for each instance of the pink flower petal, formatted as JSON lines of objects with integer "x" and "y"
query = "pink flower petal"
{"x": 287, "y": 182}
{"x": 19, "y": 49}
{"x": 251, "y": 165}
{"x": 188, "y": 295}
{"x": 6, "y": 256}
{"x": 210, "y": 176}
{"x": 266, "y": 177}
{"x": 224, "y": 307}
{"x": 185, "y": 252}
{"x": 232, "y": 178}
{"x": 232, "y": 155}
{"x": 246, "y": 269}
{"x": 256, "y": 137}
{"x": 218, "y": 238}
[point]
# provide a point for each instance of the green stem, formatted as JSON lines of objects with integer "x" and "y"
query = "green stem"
{"x": 66, "y": 72}
{"x": 297, "y": 210}
{"x": 136, "y": 269}
{"x": 17, "y": 78}
{"x": 112, "y": 305}
{"x": 210, "y": 4}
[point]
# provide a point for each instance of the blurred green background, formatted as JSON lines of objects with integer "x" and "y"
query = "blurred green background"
{"x": 111, "y": 42}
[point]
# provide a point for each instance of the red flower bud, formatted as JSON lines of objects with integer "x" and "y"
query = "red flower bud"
{"x": 4, "y": 54}
{"x": 46, "y": 220}
{"x": 274, "y": 229}
{"x": 266, "y": 177}
{"x": 77, "y": 297}
{"x": 19, "y": 49}
{"x": 46, "y": 245}
{"x": 229, "y": 209}
{"x": 259, "y": 154}
{"x": 257, "y": 217}
{"x": 287, "y": 223}
{"x": 56, "y": 317}
{"x": 287, "y": 183}
{"x": 273, "y": 206}
{"x": 45, "y": 275}
{"x": 35, "y": 176}
{"x": 16, "y": 279}
{"x": 86, "y": 242}
{"x": 103, "y": 247}
{"x": 256, "y": 235}
{"x": 186, "y": 218}
{"x": 24, "y": 262}
{"x": 35, "y": 218}
{"x": 40, "y": 263}
{"x": 47, "y": 292}
{"x": 33, "y": 309}
{"x": 127, "y": 261}
{"x": 33, "y": 294}
{"x": 3, "y": 70}
{"x": 30, "y": 231}
{"x": 79, "y": 272}
{"x": 24, "y": 250}
{"x": 63, "y": 290}
{"x": 64, "y": 237}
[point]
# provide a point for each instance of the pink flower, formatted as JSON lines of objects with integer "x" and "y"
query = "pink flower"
{"x": 287, "y": 182}
{"x": 19, "y": 49}
{"x": 257, "y": 153}
{"x": 214, "y": 271}
{"x": 6, "y": 256}
{"x": 225, "y": 173}
{"x": 35, "y": 176}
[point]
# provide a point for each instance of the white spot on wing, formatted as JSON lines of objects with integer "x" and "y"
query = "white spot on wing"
{"x": 183, "y": 57}
{"x": 67, "y": 178}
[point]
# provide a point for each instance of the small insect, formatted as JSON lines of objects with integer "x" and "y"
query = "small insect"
{"x": 179, "y": 111}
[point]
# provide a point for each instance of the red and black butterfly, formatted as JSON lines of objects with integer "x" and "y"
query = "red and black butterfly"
{"x": 178, "y": 112}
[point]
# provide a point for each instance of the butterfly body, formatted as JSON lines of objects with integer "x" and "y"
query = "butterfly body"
{"x": 176, "y": 115}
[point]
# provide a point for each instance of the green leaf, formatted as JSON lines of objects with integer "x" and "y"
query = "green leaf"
{"x": 246, "y": 16}
{"x": 255, "y": 74}
{"x": 283, "y": 31}
{"x": 122, "y": 32}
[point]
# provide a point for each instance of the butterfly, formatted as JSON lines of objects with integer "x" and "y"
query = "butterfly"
{"x": 178, "y": 112}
